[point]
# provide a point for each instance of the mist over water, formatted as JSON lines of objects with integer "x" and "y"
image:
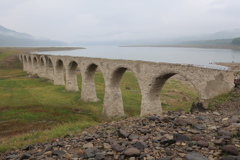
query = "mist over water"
{"x": 195, "y": 56}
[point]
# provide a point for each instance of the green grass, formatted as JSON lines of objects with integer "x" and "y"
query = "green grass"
{"x": 34, "y": 110}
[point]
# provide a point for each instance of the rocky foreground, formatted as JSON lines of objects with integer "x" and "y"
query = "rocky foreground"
{"x": 205, "y": 135}
{"x": 200, "y": 135}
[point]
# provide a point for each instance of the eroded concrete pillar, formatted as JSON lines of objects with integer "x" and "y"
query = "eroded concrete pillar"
{"x": 59, "y": 73}
{"x": 71, "y": 77}
{"x": 88, "y": 85}
{"x": 150, "y": 89}
{"x": 113, "y": 103}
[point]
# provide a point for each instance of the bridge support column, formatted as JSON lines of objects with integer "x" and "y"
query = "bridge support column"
{"x": 113, "y": 103}
{"x": 88, "y": 88}
{"x": 151, "y": 103}
{"x": 24, "y": 64}
{"x": 59, "y": 77}
{"x": 71, "y": 80}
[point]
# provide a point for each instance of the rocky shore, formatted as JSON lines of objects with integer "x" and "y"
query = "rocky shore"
{"x": 200, "y": 135}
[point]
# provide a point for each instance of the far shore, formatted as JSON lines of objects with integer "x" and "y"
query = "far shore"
{"x": 226, "y": 46}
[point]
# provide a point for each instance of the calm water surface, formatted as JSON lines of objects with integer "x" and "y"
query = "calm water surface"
{"x": 195, "y": 56}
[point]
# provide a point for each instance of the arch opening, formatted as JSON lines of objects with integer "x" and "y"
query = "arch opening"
{"x": 71, "y": 77}
{"x": 59, "y": 75}
{"x": 124, "y": 80}
{"x": 92, "y": 84}
{"x": 49, "y": 68}
{"x": 175, "y": 91}
{"x": 35, "y": 65}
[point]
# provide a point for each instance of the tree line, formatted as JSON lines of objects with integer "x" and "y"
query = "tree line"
{"x": 236, "y": 41}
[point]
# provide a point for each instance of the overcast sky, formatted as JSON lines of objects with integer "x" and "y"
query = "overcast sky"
{"x": 118, "y": 20}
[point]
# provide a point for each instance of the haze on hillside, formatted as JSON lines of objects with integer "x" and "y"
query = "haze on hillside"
{"x": 86, "y": 22}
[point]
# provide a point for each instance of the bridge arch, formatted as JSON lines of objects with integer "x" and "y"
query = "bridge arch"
{"x": 59, "y": 73}
{"x": 157, "y": 84}
{"x": 71, "y": 76}
{"x": 35, "y": 64}
{"x": 49, "y": 68}
{"x": 42, "y": 67}
{"x": 113, "y": 99}
{"x": 88, "y": 84}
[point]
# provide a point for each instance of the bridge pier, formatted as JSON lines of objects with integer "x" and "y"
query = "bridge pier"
{"x": 71, "y": 77}
{"x": 88, "y": 85}
{"x": 59, "y": 73}
{"x": 113, "y": 103}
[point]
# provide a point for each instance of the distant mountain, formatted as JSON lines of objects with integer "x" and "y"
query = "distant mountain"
{"x": 221, "y": 37}
{"x": 11, "y": 38}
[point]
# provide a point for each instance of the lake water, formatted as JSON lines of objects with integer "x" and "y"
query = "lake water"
{"x": 196, "y": 56}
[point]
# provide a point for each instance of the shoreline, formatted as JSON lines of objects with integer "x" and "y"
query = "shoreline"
{"x": 232, "y": 47}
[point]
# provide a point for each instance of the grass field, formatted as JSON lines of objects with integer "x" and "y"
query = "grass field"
{"x": 34, "y": 110}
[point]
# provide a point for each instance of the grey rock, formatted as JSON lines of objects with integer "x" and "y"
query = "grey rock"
{"x": 153, "y": 118}
{"x": 12, "y": 157}
{"x": 58, "y": 153}
{"x": 230, "y": 158}
{"x": 122, "y": 133}
{"x": 225, "y": 133}
{"x": 133, "y": 136}
{"x": 25, "y": 156}
{"x": 180, "y": 137}
{"x": 203, "y": 143}
{"x": 195, "y": 156}
{"x": 231, "y": 149}
{"x": 100, "y": 156}
{"x": 140, "y": 145}
{"x": 201, "y": 118}
{"x": 180, "y": 122}
{"x": 233, "y": 119}
{"x": 117, "y": 147}
{"x": 88, "y": 138}
{"x": 165, "y": 158}
{"x": 132, "y": 152}
{"x": 91, "y": 152}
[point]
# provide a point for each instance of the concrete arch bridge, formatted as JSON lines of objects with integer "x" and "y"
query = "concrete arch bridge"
{"x": 150, "y": 76}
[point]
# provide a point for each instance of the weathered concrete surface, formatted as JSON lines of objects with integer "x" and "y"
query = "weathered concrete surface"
{"x": 150, "y": 76}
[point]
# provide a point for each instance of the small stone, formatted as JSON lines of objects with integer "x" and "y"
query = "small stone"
{"x": 122, "y": 133}
{"x": 26, "y": 148}
{"x": 25, "y": 156}
{"x": 132, "y": 152}
{"x": 88, "y": 139}
{"x": 133, "y": 136}
{"x": 225, "y": 119}
{"x": 201, "y": 118}
{"x": 230, "y": 158}
{"x": 91, "y": 152}
{"x": 225, "y": 133}
{"x": 58, "y": 153}
{"x": 88, "y": 145}
{"x": 195, "y": 156}
{"x": 117, "y": 147}
{"x": 180, "y": 122}
{"x": 180, "y": 137}
{"x": 203, "y": 143}
{"x": 100, "y": 156}
{"x": 153, "y": 118}
{"x": 12, "y": 157}
{"x": 106, "y": 146}
{"x": 80, "y": 152}
{"x": 216, "y": 113}
{"x": 140, "y": 145}
{"x": 233, "y": 119}
{"x": 165, "y": 158}
{"x": 231, "y": 149}
{"x": 196, "y": 138}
